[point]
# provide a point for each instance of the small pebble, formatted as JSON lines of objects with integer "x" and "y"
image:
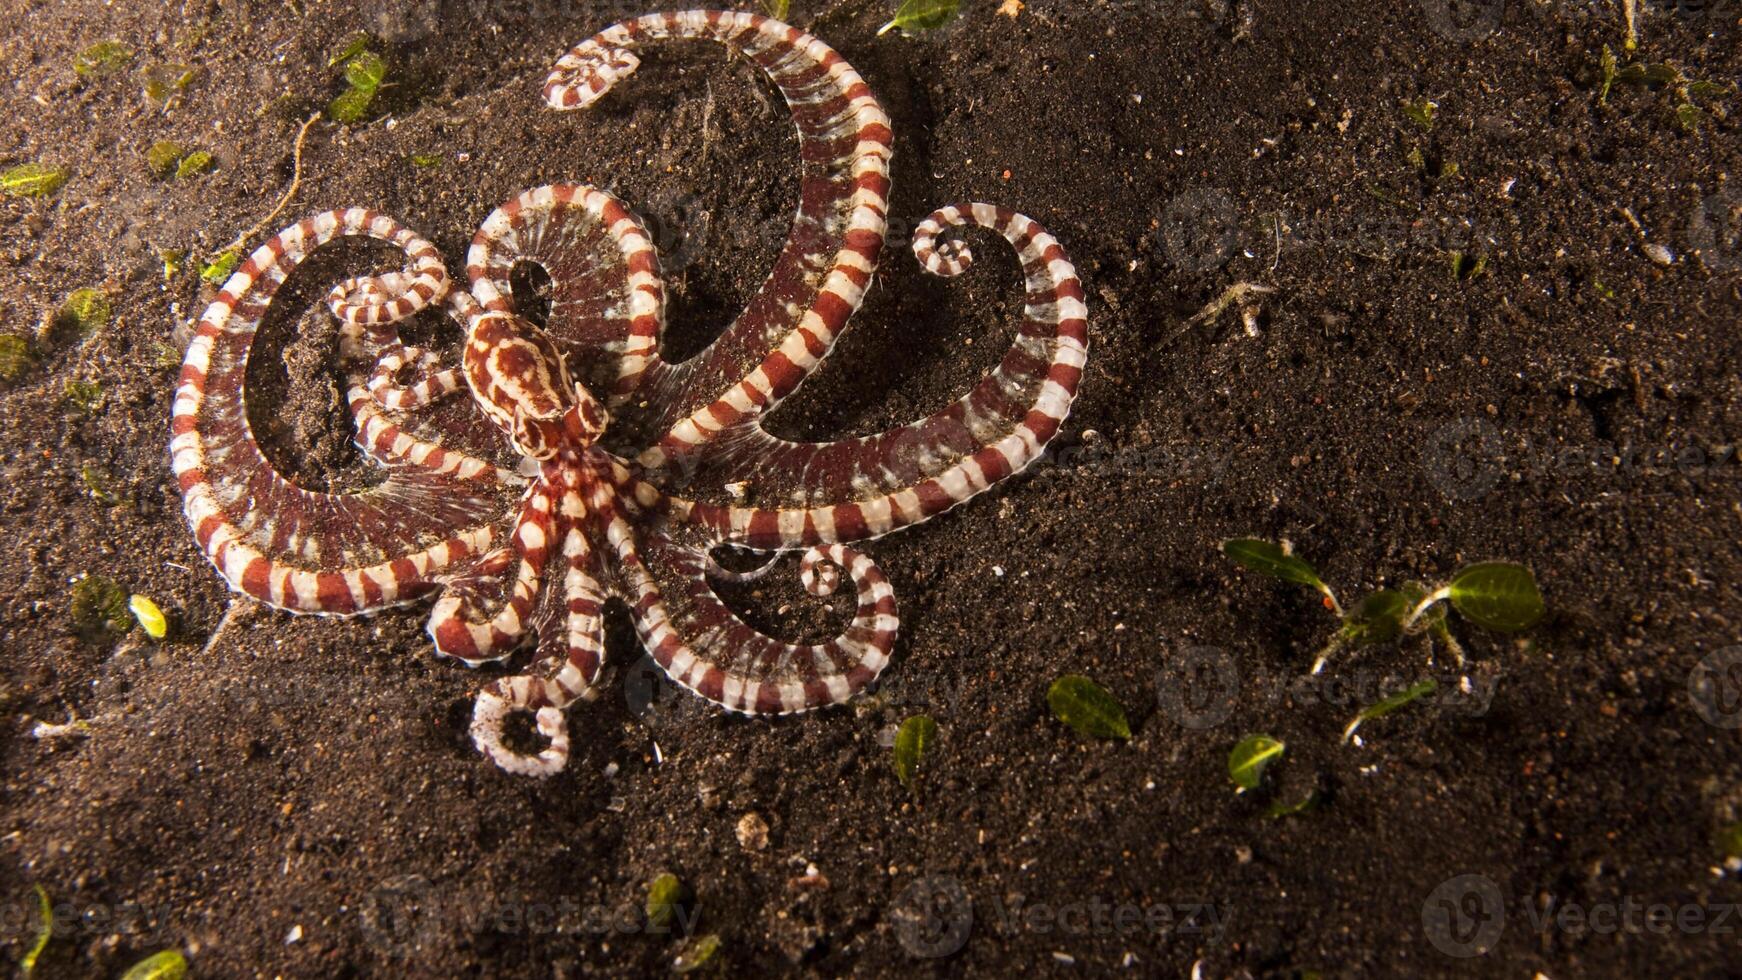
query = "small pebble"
{"x": 752, "y": 832}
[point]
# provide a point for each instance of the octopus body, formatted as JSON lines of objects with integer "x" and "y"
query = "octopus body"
{"x": 632, "y": 469}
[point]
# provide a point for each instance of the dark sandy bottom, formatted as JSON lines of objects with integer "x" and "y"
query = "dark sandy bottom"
{"x": 300, "y": 797}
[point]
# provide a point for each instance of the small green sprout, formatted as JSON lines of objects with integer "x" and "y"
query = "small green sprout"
{"x": 162, "y": 158}
{"x": 1688, "y": 91}
{"x": 172, "y": 259}
{"x": 99, "y": 604}
{"x": 150, "y": 617}
{"x": 1385, "y": 706}
{"x": 218, "y": 268}
{"x": 363, "y": 76}
{"x": 44, "y": 931}
{"x": 778, "y": 9}
{"x": 1611, "y": 71}
{"x": 912, "y": 739}
{"x": 197, "y": 162}
{"x": 86, "y": 397}
{"x": 1500, "y": 596}
{"x": 1466, "y": 267}
{"x": 1279, "y": 809}
{"x": 102, "y": 58}
{"x": 167, "y": 965}
{"x": 84, "y": 312}
{"x": 1421, "y": 112}
{"x": 697, "y": 953}
{"x": 32, "y": 180}
{"x": 426, "y": 161}
{"x": 163, "y": 82}
{"x": 666, "y": 897}
{"x": 96, "y": 481}
{"x": 353, "y": 46}
{"x": 922, "y": 15}
{"x": 15, "y": 356}
{"x": 1087, "y": 707}
{"x": 1248, "y": 760}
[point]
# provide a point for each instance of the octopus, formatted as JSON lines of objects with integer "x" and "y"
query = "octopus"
{"x": 637, "y": 476}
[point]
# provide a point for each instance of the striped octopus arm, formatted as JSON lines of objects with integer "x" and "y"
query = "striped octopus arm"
{"x": 334, "y": 553}
{"x": 831, "y": 252}
{"x": 806, "y": 494}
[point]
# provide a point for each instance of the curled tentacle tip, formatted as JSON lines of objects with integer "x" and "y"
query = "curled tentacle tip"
{"x": 584, "y": 75}
{"x": 488, "y": 716}
{"x": 943, "y": 258}
{"x": 819, "y": 572}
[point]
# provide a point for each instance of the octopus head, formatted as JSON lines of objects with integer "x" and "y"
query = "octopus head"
{"x": 518, "y": 377}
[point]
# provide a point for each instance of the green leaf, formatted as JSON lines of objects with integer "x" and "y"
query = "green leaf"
{"x": 365, "y": 72}
{"x": 911, "y": 740}
{"x": 101, "y": 58}
{"x": 1377, "y": 618}
{"x": 1607, "y": 64}
{"x": 1702, "y": 89}
{"x": 426, "y": 160}
{"x": 44, "y": 930}
{"x": 197, "y": 162}
{"x": 96, "y": 480}
{"x": 922, "y": 15}
{"x": 1421, "y": 112}
{"x": 350, "y": 106}
{"x": 697, "y": 953}
{"x": 98, "y": 603}
{"x": 1280, "y": 809}
{"x": 167, "y": 965}
{"x": 1465, "y": 267}
{"x": 150, "y": 617}
{"x": 164, "y": 81}
{"x": 86, "y": 396}
{"x": 1086, "y": 707}
{"x": 85, "y": 311}
{"x": 15, "y": 356}
{"x": 1688, "y": 116}
{"x": 1498, "y": 595}
{"x": 218, "y": 268}
{"x": 1269, "y": 558}
{"x": 162, "y": 157}
{"x": 1386, "y": 706}
{"x": 172, "y": 259}
{"x": 1247, "y": 762}
{"x": 356, "y": 45}
{"x": 1641, "y": 73}
{"x": 778, "y": 9}
{"x": 664, "y": 897}
{"x": 32, "y": 180}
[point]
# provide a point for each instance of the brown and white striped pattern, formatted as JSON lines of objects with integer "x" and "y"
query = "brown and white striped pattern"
{"x": 820, "y": 277}
{"x": 318, "y": 552}
{"x": 589, "y": 525}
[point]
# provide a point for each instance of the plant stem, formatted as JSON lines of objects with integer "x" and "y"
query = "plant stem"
{"x": 1443, "y": 592}
{"x": 1325, "y": 654}
{"x": 1336, "y": 606}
